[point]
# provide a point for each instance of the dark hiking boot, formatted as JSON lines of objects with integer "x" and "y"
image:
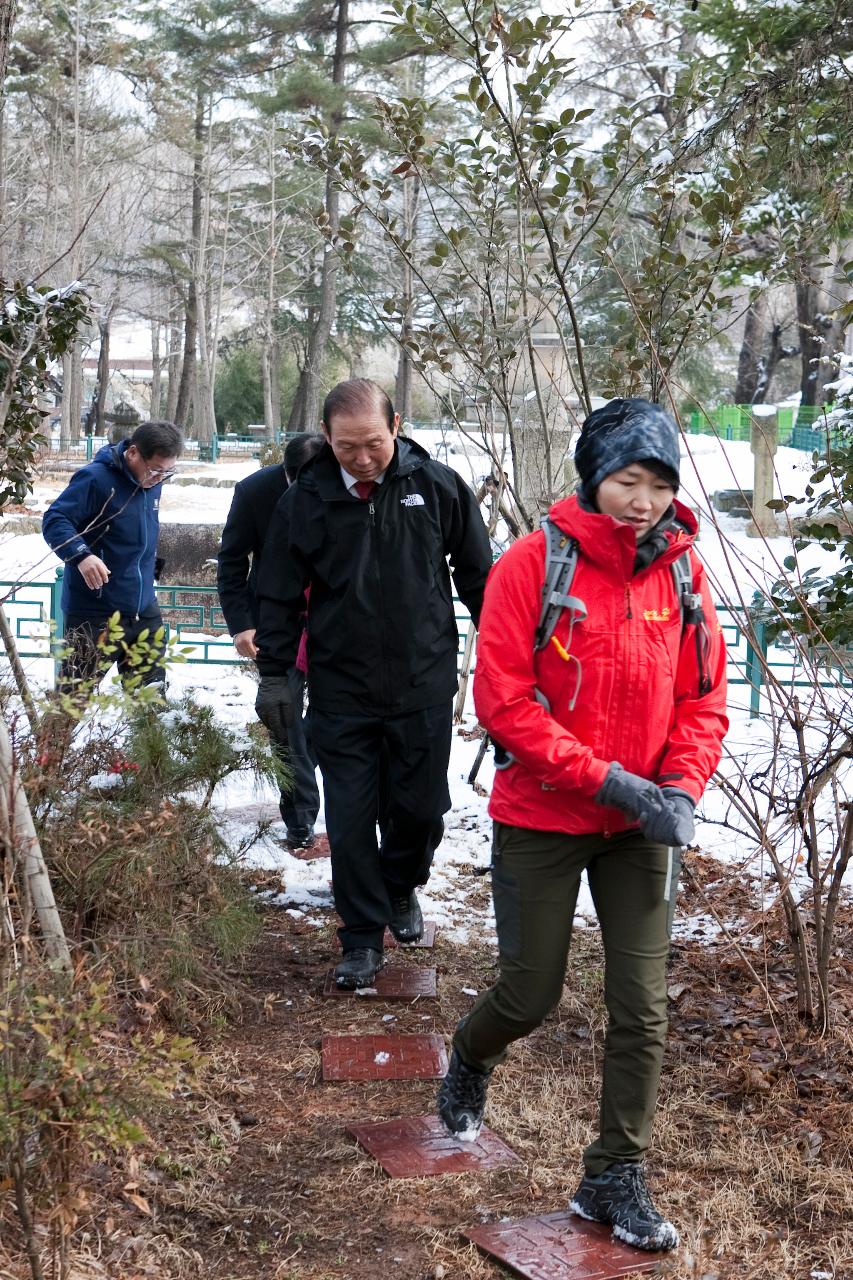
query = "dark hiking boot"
{"x": 359, "y": 967}
{"x": 462, "y": 1099}
{"x": 300, "y": 838}
{"x": 619, "y": 1196}
{"x": 407, "y": 922}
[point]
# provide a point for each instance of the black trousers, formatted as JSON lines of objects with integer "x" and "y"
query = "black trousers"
{"x": 300, "y": 804}
{"x": 87, "y": 663}
{"x": 366, "y": 873}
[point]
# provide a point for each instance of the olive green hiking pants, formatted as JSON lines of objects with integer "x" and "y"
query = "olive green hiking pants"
{"x": 535, "y": 880}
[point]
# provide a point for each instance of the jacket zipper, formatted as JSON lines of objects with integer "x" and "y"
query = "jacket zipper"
{"x": 374, "y": 537}
{"x": 142, "y": 553}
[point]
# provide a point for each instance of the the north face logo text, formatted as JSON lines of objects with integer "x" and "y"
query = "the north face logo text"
{"x": 412, "y": 500}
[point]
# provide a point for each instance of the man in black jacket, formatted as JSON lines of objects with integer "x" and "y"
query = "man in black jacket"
{"x": 243, "y": 537}
{"x": 369, "y": 525}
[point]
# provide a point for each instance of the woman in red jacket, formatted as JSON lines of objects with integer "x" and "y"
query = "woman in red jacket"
{"x": 611, "y": 732}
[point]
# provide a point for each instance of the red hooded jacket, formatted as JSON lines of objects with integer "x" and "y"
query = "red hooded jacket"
{"x": 636, "y": 676}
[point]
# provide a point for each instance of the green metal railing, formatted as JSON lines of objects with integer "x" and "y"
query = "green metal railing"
{"x": 800, "y": 426}
{"x": 194, "y": 619}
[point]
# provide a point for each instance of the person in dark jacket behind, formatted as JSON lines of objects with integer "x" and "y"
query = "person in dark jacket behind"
{"x": 254, "y": 501}
{"x": 105, "y": 525}
{"x": 612, "y": 729}
{"x": 369, "y": 525}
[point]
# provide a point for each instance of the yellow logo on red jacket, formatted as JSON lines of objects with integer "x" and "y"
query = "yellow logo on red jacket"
{"x": 658, "y": 615}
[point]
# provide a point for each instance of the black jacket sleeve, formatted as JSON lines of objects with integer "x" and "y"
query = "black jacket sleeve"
{"x": 232, "y": 566}
{"x": 469, "y": 549}
{"x": 282, "y": 582}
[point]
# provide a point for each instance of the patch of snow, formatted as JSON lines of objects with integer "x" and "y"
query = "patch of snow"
{"x": 381, "y": 1058}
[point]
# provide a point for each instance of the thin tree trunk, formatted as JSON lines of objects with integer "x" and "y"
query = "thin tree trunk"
{"x": 76, "y": 407}
{"x": 103, "y": 376}
{"x": 8, "y": 12}
{"x": 275, "y": 355}
{"x": 309, "y": 404}
{"x": 191, "y": 324}
{"x": 750, "y": 369}
{"x": 266, "y": 380}
{"x": 174, "y": 369}
{"x": 72, "y": 395}
{"x": 205, "y": 419}
{"x": 156, "y": 366}
{"x": 28, "y": 849}
{"x": 821, "y": 335}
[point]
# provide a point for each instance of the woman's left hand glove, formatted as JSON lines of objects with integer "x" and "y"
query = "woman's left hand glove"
{"x": 673, "y": 824}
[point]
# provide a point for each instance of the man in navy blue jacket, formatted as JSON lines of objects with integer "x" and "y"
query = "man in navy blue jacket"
{"x": 105, "y": 525}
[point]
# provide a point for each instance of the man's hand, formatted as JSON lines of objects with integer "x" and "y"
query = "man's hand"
{"x": 244, "y": 643}
{"x": 94, "y": 572}
{"x": 274, "y": 706}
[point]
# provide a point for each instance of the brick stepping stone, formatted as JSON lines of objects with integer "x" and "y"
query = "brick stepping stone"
{"x": 319, "y": 849}
{"x": 419, "y": 1147}
{"x": 389, "y": 984}
{"x": 427, "y": 938}
{"x": 378, "y": 1057}
{"x": 560, "y": 1246}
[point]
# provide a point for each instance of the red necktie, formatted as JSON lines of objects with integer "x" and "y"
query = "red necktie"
{"x": 365, "y": 488}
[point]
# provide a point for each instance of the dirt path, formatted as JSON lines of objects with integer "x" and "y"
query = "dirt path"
{"x": 752, "y": 1144}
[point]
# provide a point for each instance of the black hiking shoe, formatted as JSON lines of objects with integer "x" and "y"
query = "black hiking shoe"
{"x": 462, "y": 1099}
{"x": 300, "y": 838}
{"x": 619, "y": 1196}
{"x": 407, "y": 922}
{"x": 359, "y": 967}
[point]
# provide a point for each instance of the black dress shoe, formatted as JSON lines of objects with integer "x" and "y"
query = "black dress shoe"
{"x": 359, "y": 967}
{"x": 407, "y": 922}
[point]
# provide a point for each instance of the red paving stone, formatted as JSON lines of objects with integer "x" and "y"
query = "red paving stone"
{"x": 389, "y": 984}
{"x": 427, "y": 938}
{"x": 384, "y": 1058}
{"x": 560, "y": 1246}
{"x": 319, "y": 849}
{"x": 419, "y": 1147}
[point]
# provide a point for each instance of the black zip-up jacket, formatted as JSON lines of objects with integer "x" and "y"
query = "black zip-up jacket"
{"x": 382, "y": 636}
{"x": 243, "y": 537}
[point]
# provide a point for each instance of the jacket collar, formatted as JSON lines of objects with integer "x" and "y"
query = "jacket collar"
{"x": 610, "y": 543}
{"x": 322, "y": 475}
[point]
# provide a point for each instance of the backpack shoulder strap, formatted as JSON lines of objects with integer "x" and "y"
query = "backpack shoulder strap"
{"x": 561, "y": 558}
{"x": 689, "y": 601}
{"x": 692, "y": 614}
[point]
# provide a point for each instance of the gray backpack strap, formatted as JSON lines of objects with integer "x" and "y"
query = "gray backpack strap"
{"x": 689, "y": 601}
{"x": 692, "y": 614}
{"x": 561, "y": 558}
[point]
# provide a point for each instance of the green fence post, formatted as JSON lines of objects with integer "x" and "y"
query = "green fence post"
{"x": 754, "y": 666}
{"x": 57, "y": 617}
{"x": 89, "y": 439}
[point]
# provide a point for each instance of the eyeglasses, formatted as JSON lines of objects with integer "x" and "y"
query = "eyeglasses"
{"x": 156, "y": 473}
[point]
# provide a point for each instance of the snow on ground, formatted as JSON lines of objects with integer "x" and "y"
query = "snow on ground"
{"x": 736, "y": 563}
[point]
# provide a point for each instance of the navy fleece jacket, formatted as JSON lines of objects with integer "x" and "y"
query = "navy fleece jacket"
{"x": 105, "y": 512}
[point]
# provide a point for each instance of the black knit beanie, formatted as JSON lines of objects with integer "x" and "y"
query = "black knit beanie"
{"x": 622, "y": 432}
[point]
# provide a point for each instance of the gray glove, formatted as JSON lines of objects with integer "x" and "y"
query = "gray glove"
{"x": 636, "y": 796}
{"x": 674, "y": 826}
{"x": 665, "y": 814}
{"x": 274, "y": 706}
